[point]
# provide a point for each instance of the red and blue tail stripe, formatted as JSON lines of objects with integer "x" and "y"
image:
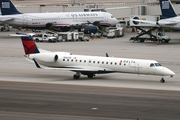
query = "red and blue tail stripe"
{"x": 29, "y": 45}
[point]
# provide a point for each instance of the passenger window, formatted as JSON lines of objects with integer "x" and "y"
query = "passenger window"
{"x": 119, "y": 63}
{"x": 106, "y": 62}
{"x": 93, "y": 61}
{"x": 84, "y": 61}
{"x": 115, "y": 63}
{"x": 111, "y": 63}
{"x": 80, "y": 60}
{"x": 102, "y": 62}
{"x": 152, "y": 65}
{"x": 72, "y": 60}
{"x": 63, "y": 59}
{"x": 98, "y": 62}
{"x": 67, "y": 59}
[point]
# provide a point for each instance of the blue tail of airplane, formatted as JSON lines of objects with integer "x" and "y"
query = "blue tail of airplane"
{"x": 29, "y": 45}
{"x": 167, "y": 9}
{"x": 8, "y": 8}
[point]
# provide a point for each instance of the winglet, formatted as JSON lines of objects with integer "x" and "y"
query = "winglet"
{"x": 37, "y": 65}
{"x": 107, "y": 55}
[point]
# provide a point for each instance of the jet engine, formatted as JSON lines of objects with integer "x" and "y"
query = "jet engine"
{"x": 90, "y": 29}
{"x": 44, "y": 57}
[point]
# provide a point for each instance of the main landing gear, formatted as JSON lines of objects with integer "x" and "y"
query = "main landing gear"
{"x": 162, "y": 80}
{"x": 78, "y": 74}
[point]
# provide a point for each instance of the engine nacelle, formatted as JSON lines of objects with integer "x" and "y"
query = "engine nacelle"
{"x": 44, "y": 57}
{"x": 90, "y": 29}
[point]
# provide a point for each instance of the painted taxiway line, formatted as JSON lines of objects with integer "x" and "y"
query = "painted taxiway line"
{"x": 90, "y": 85}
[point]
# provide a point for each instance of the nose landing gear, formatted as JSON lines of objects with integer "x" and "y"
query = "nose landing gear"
{"x": 162, "y": 80}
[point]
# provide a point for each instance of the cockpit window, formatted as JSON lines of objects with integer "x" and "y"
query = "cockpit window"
{"x": 152, "y": 65}
{"x": 112, "y": 17}
{"x": 157, "y": 64}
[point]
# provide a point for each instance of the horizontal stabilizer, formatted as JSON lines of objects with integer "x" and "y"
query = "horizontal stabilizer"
{"x": 21, "y": 35}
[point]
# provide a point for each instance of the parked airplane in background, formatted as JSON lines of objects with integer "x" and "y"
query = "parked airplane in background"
{"x": 170, "y": 19}
{"x": 90, "y": 65}
{"x": 63, "y": 21}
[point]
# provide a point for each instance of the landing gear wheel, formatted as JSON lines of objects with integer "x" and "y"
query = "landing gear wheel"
{"x": 90, "y": 75}
{"x": 37, "y": 40}
{"x": 162, "y": 80}
{"x": 76, "y": 76}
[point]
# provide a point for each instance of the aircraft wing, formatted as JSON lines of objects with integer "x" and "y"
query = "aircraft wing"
{"x": 76, "y": 69}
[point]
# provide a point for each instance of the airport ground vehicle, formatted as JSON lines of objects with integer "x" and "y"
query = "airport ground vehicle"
{"x": 83, "y": 37}
{"x": 115, "y": 32}
{"x": 72, "y": 36}
{"x": 45, "y": 37}
{"x": 160, "y": 36}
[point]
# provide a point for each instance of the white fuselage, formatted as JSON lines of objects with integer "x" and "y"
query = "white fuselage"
{"x": 39, "y": 20}
{"x": 102, "y": 64}
{"x": 170, "y": 23}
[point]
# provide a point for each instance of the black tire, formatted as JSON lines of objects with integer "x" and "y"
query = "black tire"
{"x": 37, "y": 40}
{"x": 90, "y": 75}
{"x": 167, "y": 41}
{"x": 76, "y": 76}
{"x": 50, "y": 40}
{"x": 162, "y": 80}
{"x": 163, "y": 40}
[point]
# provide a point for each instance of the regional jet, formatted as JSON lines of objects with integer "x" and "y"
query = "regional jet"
{"x": 170, "y": 19}
{"x": 63, "y": 21}
{"x": 90, "y": 65}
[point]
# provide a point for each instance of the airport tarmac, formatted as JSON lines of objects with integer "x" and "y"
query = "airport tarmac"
{"x": 23, "y": 86}
{"x": 14, "y": 67}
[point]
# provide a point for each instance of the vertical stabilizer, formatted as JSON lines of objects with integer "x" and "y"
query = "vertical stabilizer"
{"x": 167, "y": 9}
{"x": 8, "y": 8}
{"x": 29, "y": 45}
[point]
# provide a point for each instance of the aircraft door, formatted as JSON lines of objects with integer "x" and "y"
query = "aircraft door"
{"x": 25, "y": 20}
{"x": 137, "y": 67}
{"x": 106, "y": 17}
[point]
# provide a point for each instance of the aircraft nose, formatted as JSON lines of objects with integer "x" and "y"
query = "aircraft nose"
{"x": 169, "y": 72}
